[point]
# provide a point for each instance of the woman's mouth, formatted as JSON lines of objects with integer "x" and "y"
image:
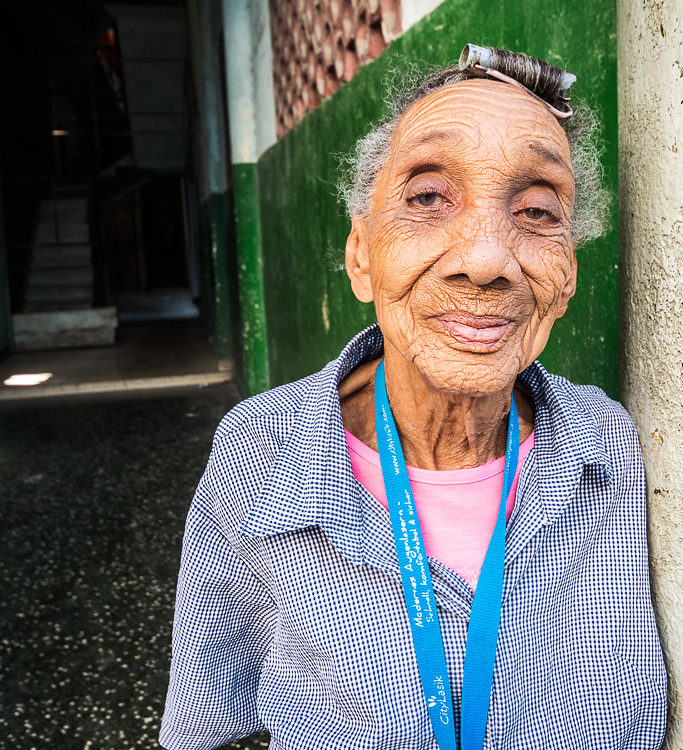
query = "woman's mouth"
{"x": 486, "y": 330}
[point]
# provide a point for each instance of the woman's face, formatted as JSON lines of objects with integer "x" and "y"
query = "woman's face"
{"x": 467, "y": 252}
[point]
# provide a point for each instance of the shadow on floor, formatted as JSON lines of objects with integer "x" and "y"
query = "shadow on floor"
{"x": 93, "y": 501}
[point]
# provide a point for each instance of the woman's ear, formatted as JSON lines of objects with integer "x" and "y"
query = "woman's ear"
{"x": 569, "y": 288}
{"x": 358, "y": 260}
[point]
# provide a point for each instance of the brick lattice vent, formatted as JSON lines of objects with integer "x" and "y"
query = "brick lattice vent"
{"x": 319, "y": 44}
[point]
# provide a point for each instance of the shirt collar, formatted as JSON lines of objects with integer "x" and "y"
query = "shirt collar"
{"x": 311, "y": 482}
{"x": 567, "y": 437}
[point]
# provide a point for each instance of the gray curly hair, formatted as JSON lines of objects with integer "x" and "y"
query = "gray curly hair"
{"x": 590, "y": 217}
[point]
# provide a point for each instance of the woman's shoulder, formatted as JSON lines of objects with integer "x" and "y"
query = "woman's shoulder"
{"x": 272, "y": 409}
{"x": 606, "y": 412}
{"x": 246, "y": 445}
{"x": 601, "y": 425}
{"x": 263, "y": 451}
{"x": 253, "y": 433}
{"x": 560, "y": 394}
{"x": 274, "y": 404}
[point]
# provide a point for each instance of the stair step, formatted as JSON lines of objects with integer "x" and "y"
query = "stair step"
{"x": 63, "y": 219}
{"x": 59, "y": 289}
{"x": 68, "y": 234}
{"x": 55, "y": 275}
{"x": 63, "y": 209}
{"x": 64, "y": 201}
{"x": 67, "y": 328}
{"x": 59, "y": 305}
{"x": 49, "y": 255}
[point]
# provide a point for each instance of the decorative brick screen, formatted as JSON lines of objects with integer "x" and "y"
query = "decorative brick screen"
{"x": 319, "y": 44}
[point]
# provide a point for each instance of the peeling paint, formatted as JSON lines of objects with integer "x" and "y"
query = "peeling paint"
{"x": 657, "y": 437}
{"x": 325, "y": 312}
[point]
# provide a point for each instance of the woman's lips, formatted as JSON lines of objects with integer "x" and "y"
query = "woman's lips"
{"x": 474, "y": 329}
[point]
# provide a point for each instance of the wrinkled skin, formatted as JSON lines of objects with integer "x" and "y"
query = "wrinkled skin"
{"x": 468, "y": 258}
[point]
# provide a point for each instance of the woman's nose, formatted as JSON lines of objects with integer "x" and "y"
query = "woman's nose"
{"x": 477, "y": 250}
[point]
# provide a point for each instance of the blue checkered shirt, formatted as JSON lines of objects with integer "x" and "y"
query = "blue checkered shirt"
{"x": 290, "y": 614}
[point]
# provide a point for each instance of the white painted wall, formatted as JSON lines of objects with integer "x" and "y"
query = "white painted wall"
{"x": 249, "y": 63}
{"x": 650, "y": 55}
{"x": 413, "y": 10}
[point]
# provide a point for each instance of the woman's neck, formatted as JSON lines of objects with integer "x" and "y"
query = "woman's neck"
{"x": 438, "y": 429}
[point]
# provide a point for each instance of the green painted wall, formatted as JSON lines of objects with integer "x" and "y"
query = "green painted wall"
{"x": 250, "y": 275}
{"x": 310, "y": 310}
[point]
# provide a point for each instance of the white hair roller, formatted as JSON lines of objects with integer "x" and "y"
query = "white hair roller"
{"x": 567, "y": 80}
{"x": 473, "y": 53}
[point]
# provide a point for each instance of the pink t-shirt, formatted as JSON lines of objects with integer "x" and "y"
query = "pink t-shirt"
{"x": 457, "y": 509}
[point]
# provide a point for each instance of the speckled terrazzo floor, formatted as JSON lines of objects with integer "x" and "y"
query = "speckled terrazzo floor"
{"x": 93, "y": 496}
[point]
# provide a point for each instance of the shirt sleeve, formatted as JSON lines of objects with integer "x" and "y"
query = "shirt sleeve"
{"x": 221, "y": 634}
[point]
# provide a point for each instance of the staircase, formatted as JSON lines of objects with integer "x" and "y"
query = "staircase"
{"x": 58, "y": 309}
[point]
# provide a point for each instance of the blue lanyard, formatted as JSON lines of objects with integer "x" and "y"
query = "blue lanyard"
{"x": 482, "y": 632}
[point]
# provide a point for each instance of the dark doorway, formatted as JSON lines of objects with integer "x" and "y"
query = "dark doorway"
{"x": 95, "y": 164}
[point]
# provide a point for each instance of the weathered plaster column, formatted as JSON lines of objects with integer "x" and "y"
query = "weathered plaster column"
{"x": 251, "y": 113}
{"x": 650, "y": 173}
{"x": 211, "y": 147}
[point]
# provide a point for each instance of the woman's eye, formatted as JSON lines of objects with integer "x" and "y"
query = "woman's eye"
{"x": 537, "y": 213}
{"x": 427, "y": 200}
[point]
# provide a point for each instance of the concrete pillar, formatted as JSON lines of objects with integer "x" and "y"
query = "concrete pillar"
{"x": 211, "y": 146}
{"x": 206, "y": 69}
{"x": 650, "y": 176}
{"x": 251, "y": 114}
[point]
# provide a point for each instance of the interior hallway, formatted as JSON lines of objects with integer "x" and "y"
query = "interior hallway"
{"x": 95, "y": 490}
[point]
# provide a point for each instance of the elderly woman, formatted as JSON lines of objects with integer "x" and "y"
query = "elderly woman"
{"x": 433, "y": 542}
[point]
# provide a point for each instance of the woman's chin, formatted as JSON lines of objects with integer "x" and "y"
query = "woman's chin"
{"x": 470, "y": 374}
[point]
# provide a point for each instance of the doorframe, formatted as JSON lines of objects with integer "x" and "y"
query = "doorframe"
{"x": 6, "y": 329}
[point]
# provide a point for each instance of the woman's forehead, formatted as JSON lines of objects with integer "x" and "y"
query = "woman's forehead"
{"x": 477, "y": 111}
